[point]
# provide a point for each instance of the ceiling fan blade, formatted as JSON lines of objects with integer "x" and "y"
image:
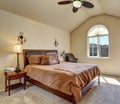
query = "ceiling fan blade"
{"x": 75, "y": 9}
{"x": 87, "y": 4}
{"x": 65, "y": 2}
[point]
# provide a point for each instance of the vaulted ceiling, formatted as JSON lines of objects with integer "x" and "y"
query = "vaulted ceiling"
{"x": 49, "y": 12}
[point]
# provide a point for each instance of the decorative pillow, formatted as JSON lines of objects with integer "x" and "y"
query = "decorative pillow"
{"x": 55, "y": 56}
{"x": 53, "y": 60}
{"x": 45, "y": 60}
{"x": 34, "y": 59}
{"x": 49, "y": 60}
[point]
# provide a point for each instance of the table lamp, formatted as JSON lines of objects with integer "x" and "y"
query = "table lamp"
{"x": 17, "y": 50}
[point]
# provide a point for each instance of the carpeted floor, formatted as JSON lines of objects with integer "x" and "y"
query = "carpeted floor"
{"x": 108, "y": 92}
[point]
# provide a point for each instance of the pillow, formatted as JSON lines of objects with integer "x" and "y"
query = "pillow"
{"x": 34, "y": 59}
{"x": 53, "y": 60}
{"x": 45, "y": 60}
{"x": 55, "y": 56}
{"x": 49, "y": 60}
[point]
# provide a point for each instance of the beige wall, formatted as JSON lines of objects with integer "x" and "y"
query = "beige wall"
{"x": 79, "y": 43}
{"x": 38, "y": 35}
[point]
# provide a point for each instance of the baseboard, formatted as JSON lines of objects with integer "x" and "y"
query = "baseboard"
{"x": 114, "y": 75}
{"x": 2, "y": 90}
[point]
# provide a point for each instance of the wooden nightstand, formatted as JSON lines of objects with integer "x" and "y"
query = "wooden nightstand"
{"x": 14, "y": 76}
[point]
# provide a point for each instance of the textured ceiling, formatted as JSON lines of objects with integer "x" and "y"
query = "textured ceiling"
{"x": 48, "y": 12}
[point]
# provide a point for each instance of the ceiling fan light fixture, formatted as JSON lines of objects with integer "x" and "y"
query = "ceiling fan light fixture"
{"x": 77, "y": 4}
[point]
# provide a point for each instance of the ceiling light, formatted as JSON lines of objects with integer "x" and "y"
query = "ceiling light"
{"x": 77, "y": 4}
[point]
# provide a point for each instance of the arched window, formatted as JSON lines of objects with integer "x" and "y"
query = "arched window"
{"x": 98, "y": 41}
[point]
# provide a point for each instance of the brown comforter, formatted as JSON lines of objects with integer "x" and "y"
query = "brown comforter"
{"x": 66, "y": 77}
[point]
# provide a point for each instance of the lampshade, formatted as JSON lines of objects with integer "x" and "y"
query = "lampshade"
{"x": 17, "y": 48}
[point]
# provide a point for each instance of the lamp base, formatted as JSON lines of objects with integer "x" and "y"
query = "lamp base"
{"x": 17, "y": 69}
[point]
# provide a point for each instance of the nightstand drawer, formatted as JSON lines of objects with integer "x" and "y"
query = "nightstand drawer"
{"x": 16, "y": 76}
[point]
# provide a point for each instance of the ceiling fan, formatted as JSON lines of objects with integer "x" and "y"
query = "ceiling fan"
{"x": 77, "y": 4}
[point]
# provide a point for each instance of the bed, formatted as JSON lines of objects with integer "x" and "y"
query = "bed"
{"x": 66, "y": 80}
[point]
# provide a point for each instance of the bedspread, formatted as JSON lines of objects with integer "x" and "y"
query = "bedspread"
{"x": 66, "y": 77}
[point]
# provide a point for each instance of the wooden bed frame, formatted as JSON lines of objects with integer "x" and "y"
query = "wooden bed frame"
{"x": 27, "y": 52}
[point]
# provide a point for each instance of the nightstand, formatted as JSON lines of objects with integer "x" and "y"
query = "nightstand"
{"x": 14, "y": 76}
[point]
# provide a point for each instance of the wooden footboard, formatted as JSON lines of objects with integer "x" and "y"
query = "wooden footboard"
{"x": 58, "y": 93}
{"x": 67, "y": 97}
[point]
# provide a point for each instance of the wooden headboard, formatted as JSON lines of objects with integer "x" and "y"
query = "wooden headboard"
{"x": 27, "y": 52}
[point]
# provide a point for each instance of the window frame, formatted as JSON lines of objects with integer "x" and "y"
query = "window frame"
{"x": 98, "y": 49}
